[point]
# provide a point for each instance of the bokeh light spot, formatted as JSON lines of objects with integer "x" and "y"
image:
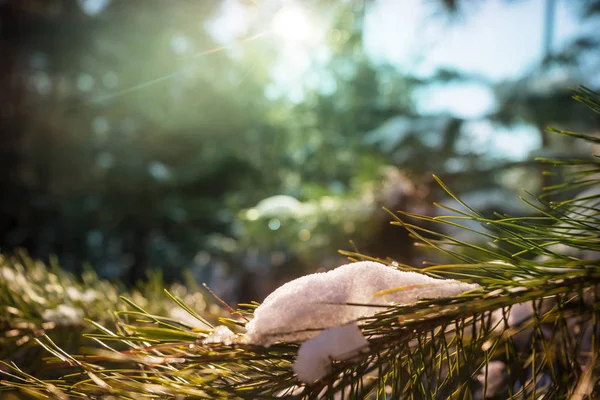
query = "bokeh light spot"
{"x": 304, "y": 235}
{"x": 93, "y": 7}
{"x": 85, "y": 82}
{"x": 274, "y": 224}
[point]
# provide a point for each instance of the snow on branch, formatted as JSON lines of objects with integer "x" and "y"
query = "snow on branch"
{"x": 325, "y": 306}
{"x": 298, "y": 310}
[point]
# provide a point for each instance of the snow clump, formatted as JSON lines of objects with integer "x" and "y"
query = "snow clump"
{"x": 300, "y": 309}
{"x": 315, "y": 355}
{"x": 222, "y": 335}
{"x": 315, "y": 309}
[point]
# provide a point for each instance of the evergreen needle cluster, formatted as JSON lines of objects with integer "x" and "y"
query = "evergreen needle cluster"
{"x": 532, "y": 331}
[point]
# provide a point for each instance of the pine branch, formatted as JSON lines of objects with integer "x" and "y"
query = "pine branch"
{"x": 532, "y": 331}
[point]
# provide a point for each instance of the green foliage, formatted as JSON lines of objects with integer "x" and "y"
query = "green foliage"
{"x": 532, "y": 330}
{"x": 46, "y": 302}
{"x": 132, "y": 138}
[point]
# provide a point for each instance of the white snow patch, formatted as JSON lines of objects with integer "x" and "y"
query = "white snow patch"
{"x": 339, "y": 344}
{"x": 300, "y": 309}
{"x": 63, "y": 315}
{"x": 221, "y": 334}
{"x": 85, "y": 297}
{"x": 279, "y": 206}
{"x": 519, "y": 313}
{"x": 515, "y": 315}
{"x": 493, "y": 377}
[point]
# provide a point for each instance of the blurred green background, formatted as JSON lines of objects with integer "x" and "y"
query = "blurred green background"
{"x": 248, "y": 140}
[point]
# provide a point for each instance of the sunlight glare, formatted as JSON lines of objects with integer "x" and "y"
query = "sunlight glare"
{"x": 292, "y": 24}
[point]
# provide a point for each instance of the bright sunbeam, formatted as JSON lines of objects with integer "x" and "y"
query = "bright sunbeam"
{"x": 292, "y": 24}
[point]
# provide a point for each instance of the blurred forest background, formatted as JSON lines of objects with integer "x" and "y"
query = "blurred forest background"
{"x": 246, "y": 141}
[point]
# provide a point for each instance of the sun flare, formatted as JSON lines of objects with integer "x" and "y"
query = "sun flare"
{"x": 293, "y": 24}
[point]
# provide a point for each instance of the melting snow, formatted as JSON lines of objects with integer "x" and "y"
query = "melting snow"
{"x": 221, "y": 334}
{"x": 315, "y": 355}
{"x": 300, "y": 309}
{"x": 315, "y": 309}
